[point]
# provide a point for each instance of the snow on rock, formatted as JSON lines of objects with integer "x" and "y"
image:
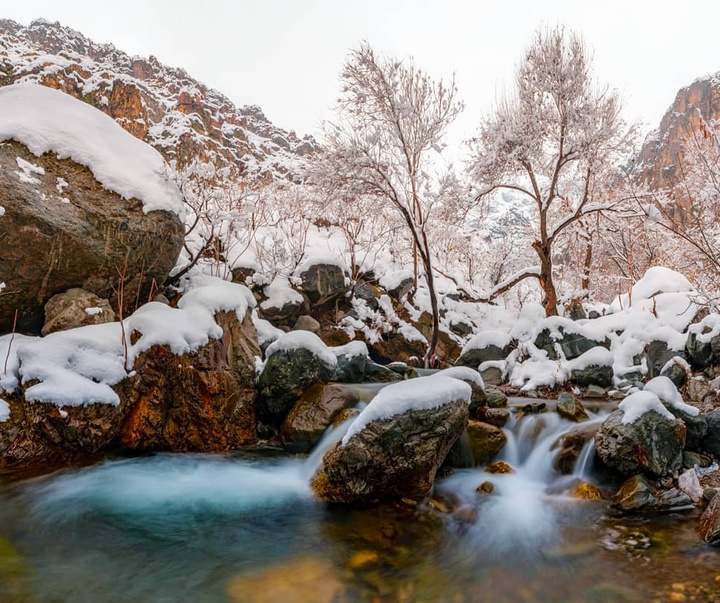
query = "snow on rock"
{"x": 393, "y": 279}
{"x": 499, "y": 339}
{"x": 423, "y": 393}
{"x": 657, "y": 279}
{"x": 4, "y": 411}
{"x": 47, "y": 120}
{"x": 80, "y": 366}
{"x": 637, "y": 404}
{"x": 351, "y": 350}
{"x": 279, "y": 293}
{"x": 597, "y": 356}
{"x": 706, "y": 329}
{"x": 464, "y": 373}
{"x": 665, "y": 389}
{"x": 303, "y": 340}
{"x": 267, "y": 333}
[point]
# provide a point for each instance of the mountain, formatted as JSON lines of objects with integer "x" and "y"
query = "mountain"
{"x": 661, "y": 157}
{"x": 164, "y": 106}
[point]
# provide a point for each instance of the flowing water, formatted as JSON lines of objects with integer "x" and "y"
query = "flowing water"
{"x": 197, "y": 528}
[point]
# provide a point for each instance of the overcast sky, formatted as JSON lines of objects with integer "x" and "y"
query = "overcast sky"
{"x": 284, "y": 55}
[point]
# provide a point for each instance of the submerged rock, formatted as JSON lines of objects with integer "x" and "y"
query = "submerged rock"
{"x": 390, "y": 457}
{"x": 571, "y": 445}
{"x": 652, "y": 444}
{"x": 639, "y": 494}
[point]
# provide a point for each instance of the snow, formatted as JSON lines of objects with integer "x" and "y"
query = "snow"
{"x": 707, "y": 328}
{"x": 597, "y": 356}
{"x": 4, "y": 411}
{"x": 93, "y": 311}
{"x": 657, "y": 279}
{"x": 267, "y": 333}
{"x": 279, "y": 293}
{"x": 487, "y": 338}
{"x": 392, "y": 280}
{"x": 665, "y": 389}
{"x": 47, "y": 120}
{"x": 80, "y": 366}
{"x": 639, "y": 403}
{"x": 303, "y": 340}
{"x": 28, "y": 171}
{"x": 351, "y": 350}
{"x": 464, "y": 373}
{"x": 423, "y": 393}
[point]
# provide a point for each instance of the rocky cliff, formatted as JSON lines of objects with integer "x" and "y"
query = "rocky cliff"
{"x": 661, "y": 157}
{"x": 161, "y": 105}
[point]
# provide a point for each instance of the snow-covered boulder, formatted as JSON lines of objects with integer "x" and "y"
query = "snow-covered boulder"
{"x": 593, "y": 367}
{"x": 283, "y": 304}
{"x": 486, "y": 346}
{"x": 294, "y": 362}
{"x": 83, "y": 200}
{"x": 473, "y": 379}
{"x": 641, "y": 436}
{"x": 703, "y": 343}
{"x": 75, "y": 308}
{"x": 352, "y": 361}
{"x": 557, "y": 334}
{"x": 397, "y": 443}
{"x": 695, "y": 423}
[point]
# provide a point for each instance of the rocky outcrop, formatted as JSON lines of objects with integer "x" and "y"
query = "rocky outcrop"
{"x": 652, "y": 444}
{"x": 50, "y": 246}
{"x": 75, "y": 308}
{"x": 393, "y": 458}
{"x": 164, "y": 106}
{"x": 203, "y": 402}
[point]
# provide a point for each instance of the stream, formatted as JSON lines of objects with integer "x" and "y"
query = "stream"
{"x": 245, "y": 528}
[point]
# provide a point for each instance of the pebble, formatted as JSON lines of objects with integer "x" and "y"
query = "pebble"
{"x": 676, "y": 597}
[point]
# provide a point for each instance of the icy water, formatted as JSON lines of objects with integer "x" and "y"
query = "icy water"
{"x": 195, "y": 528}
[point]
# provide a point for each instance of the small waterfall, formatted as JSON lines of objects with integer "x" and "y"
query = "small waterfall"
{"x": 522, "y": 509}
{"x": 585, "y": 460}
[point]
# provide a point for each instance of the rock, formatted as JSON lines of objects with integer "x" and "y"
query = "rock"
{"x": 711, "y": 442}
{"x": 394, "y": 346}
{"x": 494, "y": 416}
{"x": 691, "y": 459}
{"x": 352, "y": 361}
{"x": 595, "y": 391}
{"x": 377, "y": 373}
{"x": 499, "y": 467}
{"x": 286, "y": 314}
{"x": 709, "y": 524}
{"x": 657, "y": 356}
{"x": 392, "y": 458}
{"x": 316, "y": 410}
{"x": 480, "y": 349}
{"x": 287, "y": 374}
{"x": 461, "y": 328}
{"x": 199, "y": 402}
{"x": 697, "y": 390}
{"x": 366, "y": 293}
{"x": 571, "y": 445}
{"x": 696, "y": 426}
{"x": 49, "y": 246}
{"x": 344, "y": 416}
{"x": 75, "y": 308}
{"x": 640, "y": 494}
{"x": 586, "y": 491}
{"x": 653, "y": 444}
{"x": 494, "y": 398}
{"x": 702, "y": 354}
{"x": 401, "y": 289}
{"x": 570, "y": 408}
{"x": 307, "y": 323}
{"x": 492, "y": 375}
{"x": 572, "y": 344}
{"x": 485, "y": 440}
{"x": 487, "y": 487}
{"x": 689, "y": 483}
{"x": 601, "y": 376}
{"x": 675, "y": 371}
{"x": 243, "y": 275}
{"x": 323, "y": 282}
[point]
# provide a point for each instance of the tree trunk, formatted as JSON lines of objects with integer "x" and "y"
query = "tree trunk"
{"x": 430, "y": 359}
{"x": 549, "y": 300}
{"x": 585, "y": 283}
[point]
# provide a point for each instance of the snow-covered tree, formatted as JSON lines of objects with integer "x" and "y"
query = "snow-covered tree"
{"x": 391, "y": 121}
{"x": 558, "y": 140}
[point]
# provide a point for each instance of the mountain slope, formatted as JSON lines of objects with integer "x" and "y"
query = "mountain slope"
{"x": 161, "y": 105}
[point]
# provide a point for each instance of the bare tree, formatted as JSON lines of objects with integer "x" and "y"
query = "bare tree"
{"x": 393, "y": 117}
{"x": 557, "y": 140}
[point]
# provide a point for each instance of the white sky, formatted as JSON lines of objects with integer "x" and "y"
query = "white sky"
{"x": 284, "y": 55}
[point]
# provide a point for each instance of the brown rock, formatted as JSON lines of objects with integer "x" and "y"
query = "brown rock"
{"x": 49, "y": 246}
{"x": 313, "y": 414}
{"x": 75, "y": 308}
{"x": 709, "y": 525}
{"x": 499, "y": 467}
{"x": 485, "y": 440}
{"x": 587, "y": 491}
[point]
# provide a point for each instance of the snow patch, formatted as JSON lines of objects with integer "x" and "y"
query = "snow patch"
{"x": 4, "y": 411}
{"x": 665, "y": 389}
{"x": 303, "y": 340}
{"x": 639, "y": 403}
{"x": 464, "y": 373}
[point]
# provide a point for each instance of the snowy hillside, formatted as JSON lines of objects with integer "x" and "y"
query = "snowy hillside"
{"x": 161, "y": 105}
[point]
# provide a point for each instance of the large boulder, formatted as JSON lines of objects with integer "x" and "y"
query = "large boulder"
{"x": 316, "y": 410}
{"x": 711, "y": 442}
{"x": 294, "y": 362}
{"x": 75, "y": 308}
{"x": 564, "y": 334}
{"x": 703, "y": 342}
{"x": 57, "y": 236}
{"x": 485, "y": 441}
{"x": 395, "y": 446}
{"x": 352, "y": 361}
{"x": 486, "y": 346}
{"x": 695, "y": 424}
{"x": 323, "y": 282}
{"x": 641, "y": 436}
